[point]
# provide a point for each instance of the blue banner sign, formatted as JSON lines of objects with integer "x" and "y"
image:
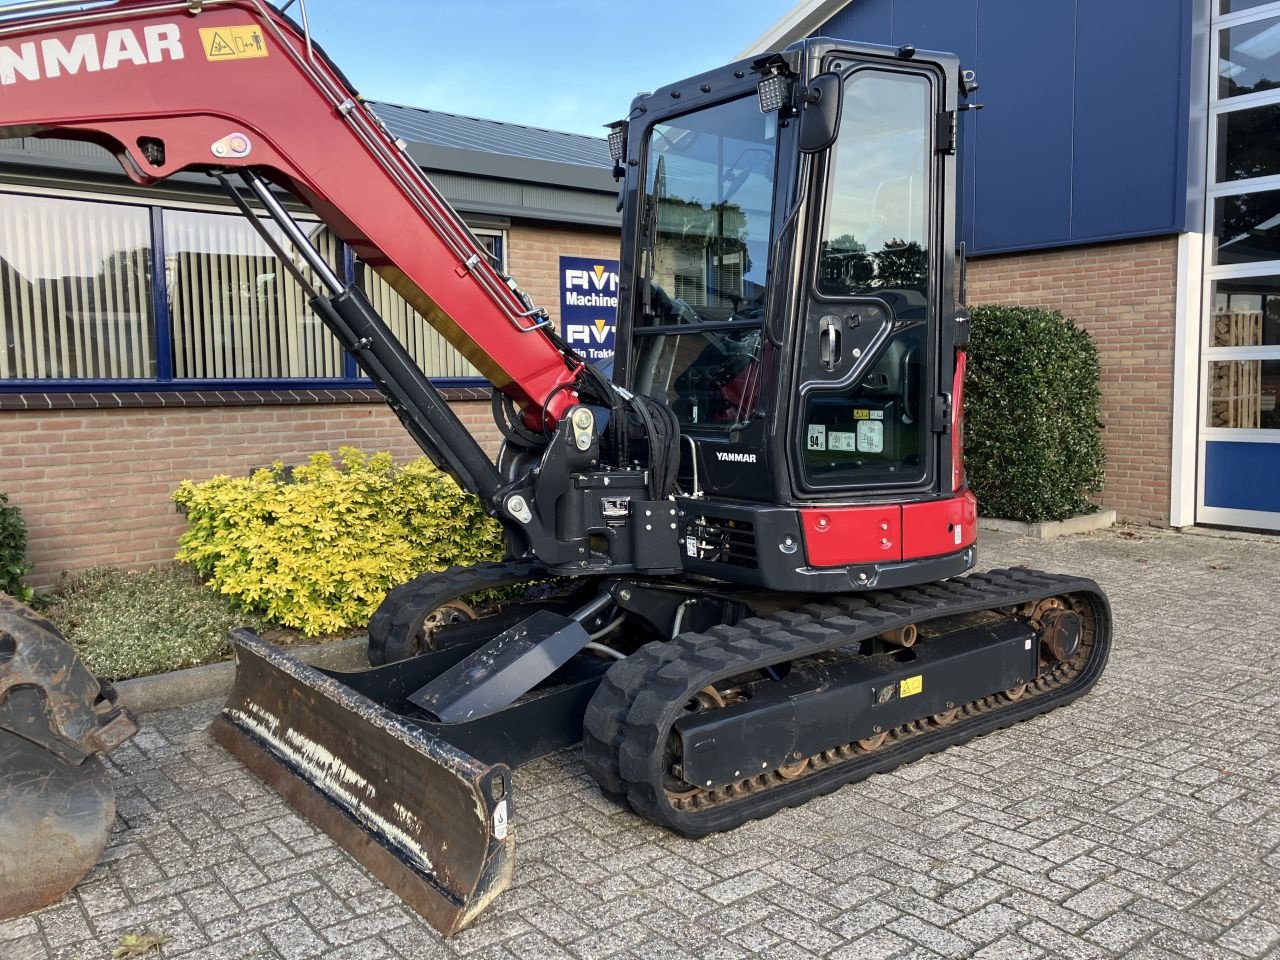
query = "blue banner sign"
{"x": 589, "y": 306}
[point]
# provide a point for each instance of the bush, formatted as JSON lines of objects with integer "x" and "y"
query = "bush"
{"x": 13, "y": 552}
{"x": 1033, "y": 450}
{"x": 319, "y": 546}
{"x": 134, "y": 624}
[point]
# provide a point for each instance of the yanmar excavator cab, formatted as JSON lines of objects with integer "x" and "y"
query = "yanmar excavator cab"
{"x": 734, "y": 570}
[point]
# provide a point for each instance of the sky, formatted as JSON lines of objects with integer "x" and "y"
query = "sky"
{"x": 561, "y": 64}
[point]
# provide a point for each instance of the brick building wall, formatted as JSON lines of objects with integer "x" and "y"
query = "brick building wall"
{"x": 1124, "y": 295}
{"x": 94, "y": 485}
{"x": 534, "y": 252}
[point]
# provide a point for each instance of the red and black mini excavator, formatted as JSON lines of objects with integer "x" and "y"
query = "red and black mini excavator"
{"x": 750, "y": 538}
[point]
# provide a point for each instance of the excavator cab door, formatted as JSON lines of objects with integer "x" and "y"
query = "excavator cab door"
{"x": 866, "y": 337}
{"x": 786, "y": 272}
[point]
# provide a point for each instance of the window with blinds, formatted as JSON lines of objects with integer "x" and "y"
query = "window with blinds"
{"x": 434, "y": 354}
{"x": 235, "y": 311}
{"x": 75, "y": 290}
{"x": 79, "y": 294}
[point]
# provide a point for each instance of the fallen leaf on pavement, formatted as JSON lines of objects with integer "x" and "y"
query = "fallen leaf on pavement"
{"x": 139, "y": 944}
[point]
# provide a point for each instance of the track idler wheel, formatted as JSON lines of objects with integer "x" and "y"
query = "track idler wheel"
{"x": 56, "y": 801}
{"x": 1060, "y": 632}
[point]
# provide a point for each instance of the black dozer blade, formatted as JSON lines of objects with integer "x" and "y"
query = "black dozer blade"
{"x": 425, "y": 818}
{"x": 57, "y": 806}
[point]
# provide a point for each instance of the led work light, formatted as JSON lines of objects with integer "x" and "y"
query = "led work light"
{"x": 773, "y": 92}
{"x": 617, "y": 143}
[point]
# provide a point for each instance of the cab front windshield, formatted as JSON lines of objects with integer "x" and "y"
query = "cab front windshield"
{"x": 708, "y": 200}
{"x": 704, "y": 261}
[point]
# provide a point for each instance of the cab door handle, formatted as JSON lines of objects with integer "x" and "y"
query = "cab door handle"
{"x": 829, "y": 342}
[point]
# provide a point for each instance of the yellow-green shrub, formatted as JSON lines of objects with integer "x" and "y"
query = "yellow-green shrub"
{"x": 319, "y": 546}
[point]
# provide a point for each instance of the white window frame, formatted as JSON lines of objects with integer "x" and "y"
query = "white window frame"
{"x": 1211, "y": 272}
{"x": 501, "y": 234}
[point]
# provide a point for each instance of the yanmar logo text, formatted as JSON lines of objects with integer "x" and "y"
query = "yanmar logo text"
{"x": 90, "y": 53}
{"x": 732, "y": 456}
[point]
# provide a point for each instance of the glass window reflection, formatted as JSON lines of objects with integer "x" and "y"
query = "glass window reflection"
{"x": 1249, "y": 143}
{"x": 1235, "y": 6}
{"x": 1247, "y": 227}
{"x": 1249, "y": 58}
{"x": 1243, "y": 394}
{"x": 708, "y": 208}
{"x": 876, "y": 232}
{"x": 1246, "y": 313}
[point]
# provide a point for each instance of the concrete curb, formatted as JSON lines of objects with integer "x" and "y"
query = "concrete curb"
{"x": 1084, "y": 523}
{"x": 180, "y": 687}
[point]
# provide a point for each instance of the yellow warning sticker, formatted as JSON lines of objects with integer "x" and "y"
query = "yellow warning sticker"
{"x": 233, "y": 43}
{"x": 911, "y": 685}
{"x": 862, "y": 414}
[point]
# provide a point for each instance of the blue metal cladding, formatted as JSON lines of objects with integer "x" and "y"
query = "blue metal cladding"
{"x": 1083, "y": 137}
{"x": 1242, "y": 476}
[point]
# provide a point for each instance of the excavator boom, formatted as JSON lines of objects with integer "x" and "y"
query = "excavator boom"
{"x": 230, "y": 85}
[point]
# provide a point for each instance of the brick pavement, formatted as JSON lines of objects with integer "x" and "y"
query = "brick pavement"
{"x": 1142, "y": 821}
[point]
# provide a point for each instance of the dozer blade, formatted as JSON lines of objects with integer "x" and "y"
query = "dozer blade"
{"x": 56, "y": 801}
{"x": 425, "y": 818}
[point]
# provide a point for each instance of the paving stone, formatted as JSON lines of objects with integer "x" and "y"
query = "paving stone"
{"x": 877, "y": 945}
{"x": 975, "y": 894}
{"x": 1140, "y": 822}
{"x": 1251, "y": 937}
{"x": 1058, "y": 943}
{"x": 1048, "y": 911}
{"x": 862, "y": 919}
{"x": 735, "y": 888}
{"x": 29, "y": 947}
{"x": 1099, "y": 900}
{"x": 21, "y": 928}
{"x": 1120, "y": 932}
{"x": 1009, "y": 948}
{"x": 927, "y": 935}
{"x": 364, "y": 927}
{"x": 63, "y": 925}
{"x": 294, "y": 939}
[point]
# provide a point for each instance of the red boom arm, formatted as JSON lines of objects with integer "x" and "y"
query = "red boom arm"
{"x": 234, "y": 83}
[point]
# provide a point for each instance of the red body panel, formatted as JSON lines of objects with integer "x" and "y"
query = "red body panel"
{"x": 839, "y": 536}
{"x": 935, "y": 527}
{"x": 143, "y": 70}
{"x": 957, "y": 423}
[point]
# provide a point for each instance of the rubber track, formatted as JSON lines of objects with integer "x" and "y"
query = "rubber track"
{"x": 628, "y": 721}
{"x": 398, "y": 619}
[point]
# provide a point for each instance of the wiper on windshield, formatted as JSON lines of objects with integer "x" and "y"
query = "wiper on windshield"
{"x": 649, "y": 231}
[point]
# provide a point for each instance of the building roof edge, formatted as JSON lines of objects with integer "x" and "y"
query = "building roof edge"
{"x": 800, "y": 21}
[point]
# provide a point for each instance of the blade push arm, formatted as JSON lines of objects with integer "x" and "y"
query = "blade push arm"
{"x": 173, "y": 85}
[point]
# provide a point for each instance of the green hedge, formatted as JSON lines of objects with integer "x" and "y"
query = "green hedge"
{"x": 1033, "y": 446}
{"x": 318, "y": 547}
{"x": 13, "y": 552}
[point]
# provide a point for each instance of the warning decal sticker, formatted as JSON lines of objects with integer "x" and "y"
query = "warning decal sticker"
{"x": 871, "y": 436}
{"x": 911, "y": 685}
{"x": 232, "y": 43}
